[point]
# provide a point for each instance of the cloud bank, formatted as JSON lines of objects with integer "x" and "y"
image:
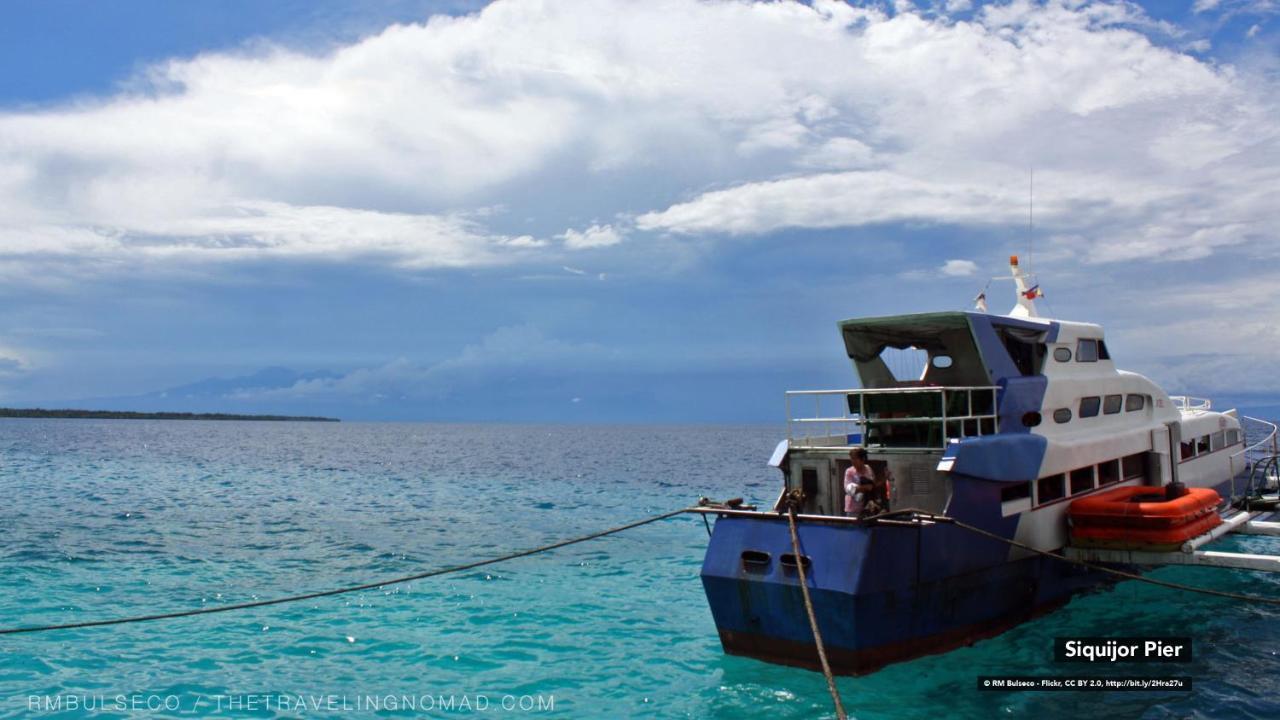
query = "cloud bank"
{"x": 436, "y": 144}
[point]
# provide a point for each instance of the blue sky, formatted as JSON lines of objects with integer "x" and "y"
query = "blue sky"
{"x": 612, "y": 210}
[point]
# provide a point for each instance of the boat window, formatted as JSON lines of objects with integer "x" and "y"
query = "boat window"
{"x": 1219, "y": 440}
{"x": 1134, "y": 402}
{"x": 941, "y": 361}
{"x": 1082, "y": 480}
{"x": 1062, "y": 415}
{"x": 1188, "y": 450}
{"x": 1134, "y": 466}
{"x": 1062, "y": 354}
{"x": 1102, "y": 351}
{"x": 1031, "y": 419}
{"x": 1202, "y": 445}
{"x": 1111, "y": 404}
{"x": 1087, "y": 350}
{"x": 1108, "y": 472}
{"x": 1050, "y": 488}
{"x": 1233, "y": 437}
{"x": 1017, "y": 491}
{"x": 1089, "y": 406}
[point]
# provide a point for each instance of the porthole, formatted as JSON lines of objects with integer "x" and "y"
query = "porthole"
{"x": 1031, "y": 419}
{"x": 1062, "y": 354}
{"x": 1062, "y": 415}
{"x": 941, "y": 362}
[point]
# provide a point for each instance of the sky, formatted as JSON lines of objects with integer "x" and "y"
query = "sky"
{"x": 604, "y": 210}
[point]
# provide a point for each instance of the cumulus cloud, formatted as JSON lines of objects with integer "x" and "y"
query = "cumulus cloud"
{"x": 959, "y": 268}
{"x": 594, "y": 236}
{"x": 434, "y": 144}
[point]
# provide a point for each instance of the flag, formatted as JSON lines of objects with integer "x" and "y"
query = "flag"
{"x": 1033, "y": 292}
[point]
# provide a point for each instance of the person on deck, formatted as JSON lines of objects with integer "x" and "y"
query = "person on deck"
{"x": 858, "y": 470}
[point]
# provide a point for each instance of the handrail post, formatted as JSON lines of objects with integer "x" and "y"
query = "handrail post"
{"x": 943, "y": 392}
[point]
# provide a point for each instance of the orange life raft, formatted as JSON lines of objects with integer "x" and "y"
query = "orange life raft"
{"x": 1141, "y": 518}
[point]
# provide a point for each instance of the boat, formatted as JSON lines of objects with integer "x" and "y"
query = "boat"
{"x": 1007, "y": 422}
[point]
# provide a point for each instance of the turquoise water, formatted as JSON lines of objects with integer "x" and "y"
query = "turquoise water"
{"x": 110, "y": 518}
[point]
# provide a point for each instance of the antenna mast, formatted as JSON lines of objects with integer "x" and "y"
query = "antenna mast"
{"x": 1031, "y": 216}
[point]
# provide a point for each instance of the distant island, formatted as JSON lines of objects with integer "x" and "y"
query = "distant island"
{"x": 122, "y": 415}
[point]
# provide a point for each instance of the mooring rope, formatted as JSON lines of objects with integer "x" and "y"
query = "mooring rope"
{"x": 924, "y": 515}
{"x": 808, "y": 607}
{"x": 339, "y": 591}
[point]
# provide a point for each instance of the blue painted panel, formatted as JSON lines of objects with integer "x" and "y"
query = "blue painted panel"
{"x": 994, "y": 356}
{"x": 1006, "y": 458}
{"x": 1018, "y": 396}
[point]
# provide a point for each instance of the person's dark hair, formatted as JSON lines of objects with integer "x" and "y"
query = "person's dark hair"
{"x": 860, "y": 453}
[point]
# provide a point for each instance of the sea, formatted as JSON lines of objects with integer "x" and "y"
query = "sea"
{"x": 113, "y": 518}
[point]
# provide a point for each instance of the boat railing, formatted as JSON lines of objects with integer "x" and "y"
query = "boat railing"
{"x": 901, "y": 417}
{"x": 1187, "y": 403}
{"x": 1255, "y": 456}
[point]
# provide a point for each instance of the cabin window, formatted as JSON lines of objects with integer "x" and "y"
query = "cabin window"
{"x": 1031, "y": 419}
{"x": 1134, "y": 403}
{"x": 1233, "y": 437}
{"x": 1102, "y": 351}
{"x": 1087, "y": 350}
{"x": 1082, "y": 480}
{"x": 1015, "y": 498}
{"x": 1089, "y": 406}
{"x": 1111, "y": 404}
{"x": 1108, "y": 472}
{"x": 1062, "y": 354}
{"x": 1050, "y": 488}
{"x": 1218, "y": 441}
{"x": 942, "y": 362}
{"x": 1134, "y": 466}
{"x": 1062, "y": 415}
{"x": 1188, "y": 450}
{"x": 1202, "y": 445}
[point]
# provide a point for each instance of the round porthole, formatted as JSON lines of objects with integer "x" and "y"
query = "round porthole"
{"x": 1062, "y": 354}
{"x": 1062, "y": 415}
{"x": 1031, "y": 419}
{"x": 941, "y": 361}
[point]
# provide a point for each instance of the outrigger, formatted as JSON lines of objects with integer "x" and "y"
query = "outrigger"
{"x": 1007, "y": 422}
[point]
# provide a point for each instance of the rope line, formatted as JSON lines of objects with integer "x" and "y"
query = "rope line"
{"x": 339, "y": 591}
{"x": 1092, "y": 565}
{"x": 808, "y": 607}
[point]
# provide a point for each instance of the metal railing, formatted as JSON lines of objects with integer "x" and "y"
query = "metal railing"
{"x": 1189, "y": 403}
{"x": 910, "y": 417}
{"x": 1254, "y": 455}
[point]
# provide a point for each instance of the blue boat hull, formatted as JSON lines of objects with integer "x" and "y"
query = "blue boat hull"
{"x": 881, "y": 594}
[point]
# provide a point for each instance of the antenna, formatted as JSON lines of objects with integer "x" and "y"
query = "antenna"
{"x": 1031, "y": 215}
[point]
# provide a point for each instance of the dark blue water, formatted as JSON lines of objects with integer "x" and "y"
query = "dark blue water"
{"x": 109, "y": 518}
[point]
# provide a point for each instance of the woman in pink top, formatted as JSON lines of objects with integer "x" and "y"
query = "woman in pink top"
{"x": 859, "y": 470}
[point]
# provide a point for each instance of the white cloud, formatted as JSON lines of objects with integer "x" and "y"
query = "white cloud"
{"x": 693, "y": 117}
{"x": 959, "y": 268}
{"x": 593, "y": 237}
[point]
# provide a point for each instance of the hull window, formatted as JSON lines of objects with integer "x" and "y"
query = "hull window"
{"x": 1112, "y": 404}
{"x": 1062, "y": 415}
{"x": 1050, "y": 488}
{"x": 1089, "y": 406}
{"x": 1134, "y": 403}
{"x": 1108, "y": 472}
{"x": 1134, "y": 466}
{"x": 1062, "y": 354}
{"x": 1082, "y": 480}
